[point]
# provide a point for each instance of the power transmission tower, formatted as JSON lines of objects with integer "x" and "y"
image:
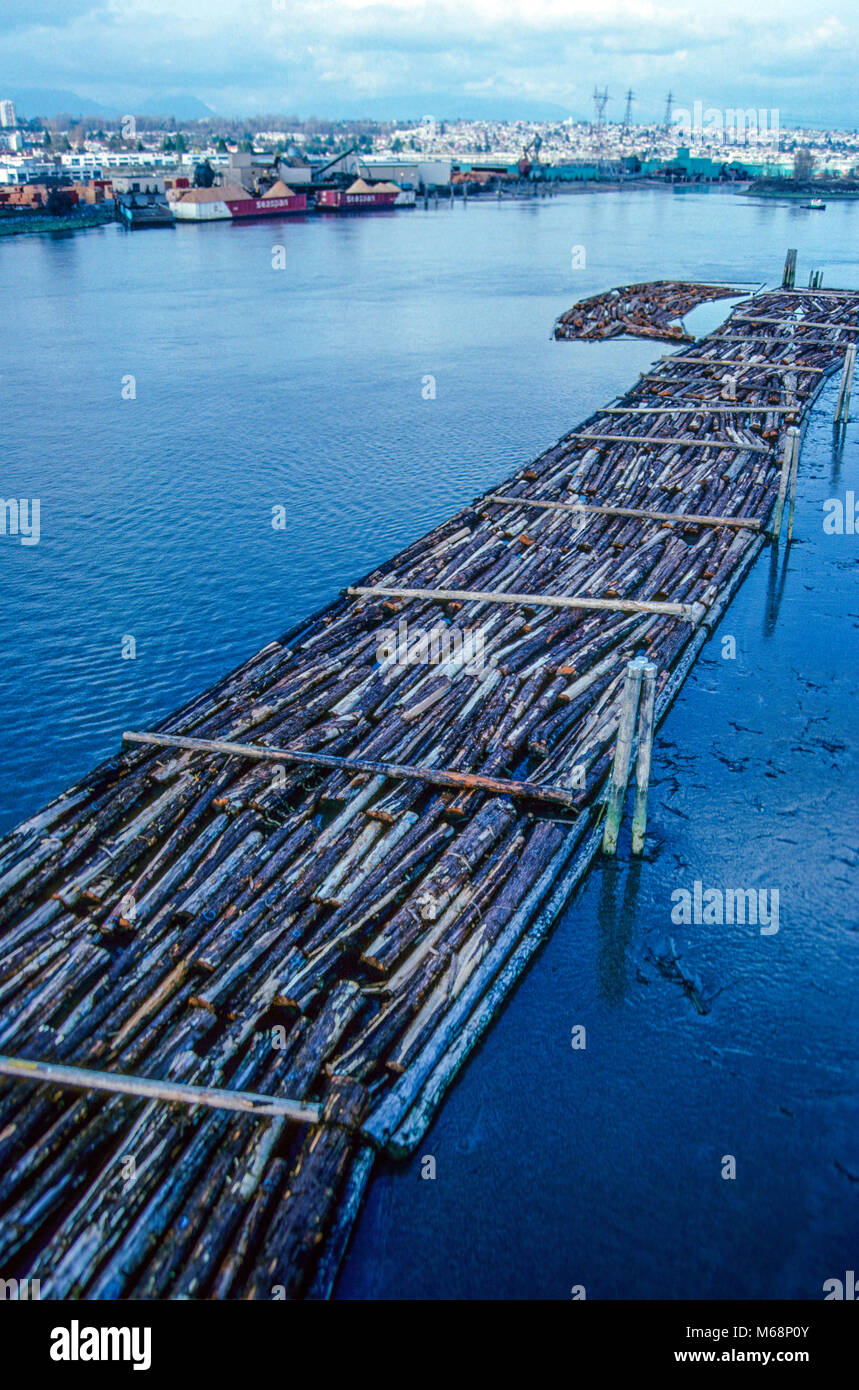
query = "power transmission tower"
{"x": 669, "y": 107}
{"x": 600, "y": 98}
{"x": 627, "y": 115}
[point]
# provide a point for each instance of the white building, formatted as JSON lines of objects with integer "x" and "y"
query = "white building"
{"x": 293, "y": 174}
{"x": 7, "y": 114}
{"x": 417, "y": 173}
{"x": 141, "y": 159}
{"x": 24, "y": 170}
{"x": 83, "y": 165}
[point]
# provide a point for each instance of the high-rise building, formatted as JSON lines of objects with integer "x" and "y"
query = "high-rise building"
{"x": 7, "y": 114}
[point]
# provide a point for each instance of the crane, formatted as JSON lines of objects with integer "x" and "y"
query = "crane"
{"x": 344, "y": 154}
{"x": 526, "y": 164}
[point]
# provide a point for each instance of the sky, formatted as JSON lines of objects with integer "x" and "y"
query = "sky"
{"x": 439, "y": 57}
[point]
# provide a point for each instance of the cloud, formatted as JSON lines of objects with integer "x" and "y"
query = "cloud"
{"x": 260, "y": 55}
{"x": 47, "y": 14}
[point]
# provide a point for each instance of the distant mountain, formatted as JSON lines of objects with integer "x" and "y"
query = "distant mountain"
{"x": 55, "y": 101}
{"x": 445, "y": 106}
{"x": 179, "y": 104}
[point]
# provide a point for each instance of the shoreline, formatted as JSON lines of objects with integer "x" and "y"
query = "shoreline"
{"x": 35, "y": 223}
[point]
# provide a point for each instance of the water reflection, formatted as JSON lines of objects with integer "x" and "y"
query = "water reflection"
{"x": 775, "y": 587}
{"x": 614, "y": 924}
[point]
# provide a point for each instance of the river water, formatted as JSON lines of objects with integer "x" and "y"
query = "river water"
{"x": 163, "y": 391}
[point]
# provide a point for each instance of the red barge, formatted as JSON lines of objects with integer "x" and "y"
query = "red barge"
{"x": 360, "y": 196}
{"x": 233, "y": 201}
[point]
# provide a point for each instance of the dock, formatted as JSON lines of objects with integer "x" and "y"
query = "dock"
{"x": 250, "y": 952}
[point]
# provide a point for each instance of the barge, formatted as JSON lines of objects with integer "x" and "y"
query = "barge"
{"x": 232, "y": 202}
{"x": 360, "y": 196}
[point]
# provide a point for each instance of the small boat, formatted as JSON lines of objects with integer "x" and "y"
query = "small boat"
{"x": 816, "y": 205}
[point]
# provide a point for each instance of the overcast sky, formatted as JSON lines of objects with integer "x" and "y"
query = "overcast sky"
{"x": 252, "y": 56}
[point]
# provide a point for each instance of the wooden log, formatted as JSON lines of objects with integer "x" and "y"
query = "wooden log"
{"x": 678, "y": 443}
{"x": 24, "y": 1069}
{"x": 742, "y": 365}
{"x": 331, "y": 1258}
{"x": 690, "y": 518}
{"x": 440, "y": 885}
{"x": 299, "y": 1223}
{"x": 536, "y": 600}
{"x": 435, "y": 777}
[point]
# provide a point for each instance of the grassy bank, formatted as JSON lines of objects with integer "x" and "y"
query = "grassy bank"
{"x": 28, "y": 223}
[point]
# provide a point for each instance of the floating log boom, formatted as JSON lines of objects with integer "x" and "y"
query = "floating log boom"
{"x": 254, "y": 946}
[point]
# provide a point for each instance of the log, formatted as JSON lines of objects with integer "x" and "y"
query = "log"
{"x": 535, "y": 600}
{"x": 690, "y": 518}
{"x": 24, "y": 1069}
{"x": 434, "y": 777}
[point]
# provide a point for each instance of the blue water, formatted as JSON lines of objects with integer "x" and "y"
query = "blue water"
{"x": 303, "y": 387}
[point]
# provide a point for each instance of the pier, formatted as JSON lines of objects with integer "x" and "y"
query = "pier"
{"x": 252, "y": 950}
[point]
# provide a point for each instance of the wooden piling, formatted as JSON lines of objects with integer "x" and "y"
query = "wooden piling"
{"x": 845, "y": 411}
{"x": 789, "y": 276}
{"x": 642, "y": 765}
{"x": 842, "y": 404}
{"x": 786, "y": 459}
{"x": 794, "y": 467}
{"x": 622, "y": 754}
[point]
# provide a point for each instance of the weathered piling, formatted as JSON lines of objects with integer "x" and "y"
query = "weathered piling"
{"x": 789, "y": 277}
{"x": 793, "y": 433}
{"x": 313, "y": 887}
{"x": 622, "y": 754}
{"x": 642, "y": 763}
{"x": 784, "y": 479}
{"x": 842, "y": 404}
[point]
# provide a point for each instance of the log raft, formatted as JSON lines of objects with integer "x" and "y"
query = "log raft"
{"x": 651, "y": 310}
{"x": 253, "y": 947}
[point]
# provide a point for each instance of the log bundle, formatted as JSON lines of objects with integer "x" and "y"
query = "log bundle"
{"x": 205, "y": 918}
{"x": 651, "y": 310}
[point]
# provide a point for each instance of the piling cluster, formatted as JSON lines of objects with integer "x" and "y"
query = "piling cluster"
{"x": 339, "y": 935}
